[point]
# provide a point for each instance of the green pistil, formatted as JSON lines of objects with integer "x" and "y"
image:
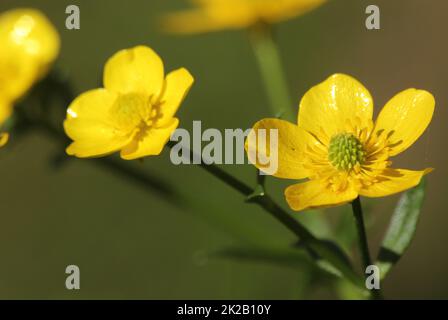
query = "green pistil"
{"x": 345, "y": 151}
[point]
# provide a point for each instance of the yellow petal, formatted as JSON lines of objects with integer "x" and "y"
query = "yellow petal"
{"x": 150, "y": 142}
{"x": 139, "y": 69}
{"x": 89, "y": 125}
{"x": 405, "y": 117}
{"x": 16, "y": 76}
{"x": 329, "y": 105}
{"x": 209, "y": 18}
{"x": 91, "y": 106}
{"x": 4, "y": 137}
{"x": 5, "y": 110}
{"x": 394, "y": 181}
{"x": 290, "y": 146}
{"x": 314, "y": 194}
{"x": 279, "y": 10}
{"x": 177, "y": 85}
{"x": 95, "y": 149}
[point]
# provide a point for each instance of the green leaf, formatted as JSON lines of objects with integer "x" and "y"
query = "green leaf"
{"x": 401, "y": 229}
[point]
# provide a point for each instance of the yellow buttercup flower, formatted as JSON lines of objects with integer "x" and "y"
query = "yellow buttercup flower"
{"x": 340, "y": 150}
{"x": 134, "y": 113}
{"x": 212, "y": 15}
{"x": 29, "y": 44}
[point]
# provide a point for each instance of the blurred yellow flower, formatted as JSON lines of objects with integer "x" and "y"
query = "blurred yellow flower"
{"x": 212, "y": 15}
{"x": 340, "y": 150}
{"x": 29, "y": 44}
{"x": 134, "y": 113}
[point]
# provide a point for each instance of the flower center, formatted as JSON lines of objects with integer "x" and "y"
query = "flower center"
{"x": 130, "y": 110}
{"x": 345, "y": 151}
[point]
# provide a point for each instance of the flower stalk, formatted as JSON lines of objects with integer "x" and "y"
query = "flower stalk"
{"x": 362, "y": 236}
{"x": 363, "y": 243}
{"x": 269, "y": 62}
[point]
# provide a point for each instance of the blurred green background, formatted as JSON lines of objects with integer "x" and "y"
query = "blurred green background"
{"x": 131, "y": 243}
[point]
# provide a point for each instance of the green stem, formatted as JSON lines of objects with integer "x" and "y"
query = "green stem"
{"x": 263, "y": 201}
{"x": 269, "y": 63}
{"x": 362, "y": 238}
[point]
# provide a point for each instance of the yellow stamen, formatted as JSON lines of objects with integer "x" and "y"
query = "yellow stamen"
{"x": 130, "y": 110}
